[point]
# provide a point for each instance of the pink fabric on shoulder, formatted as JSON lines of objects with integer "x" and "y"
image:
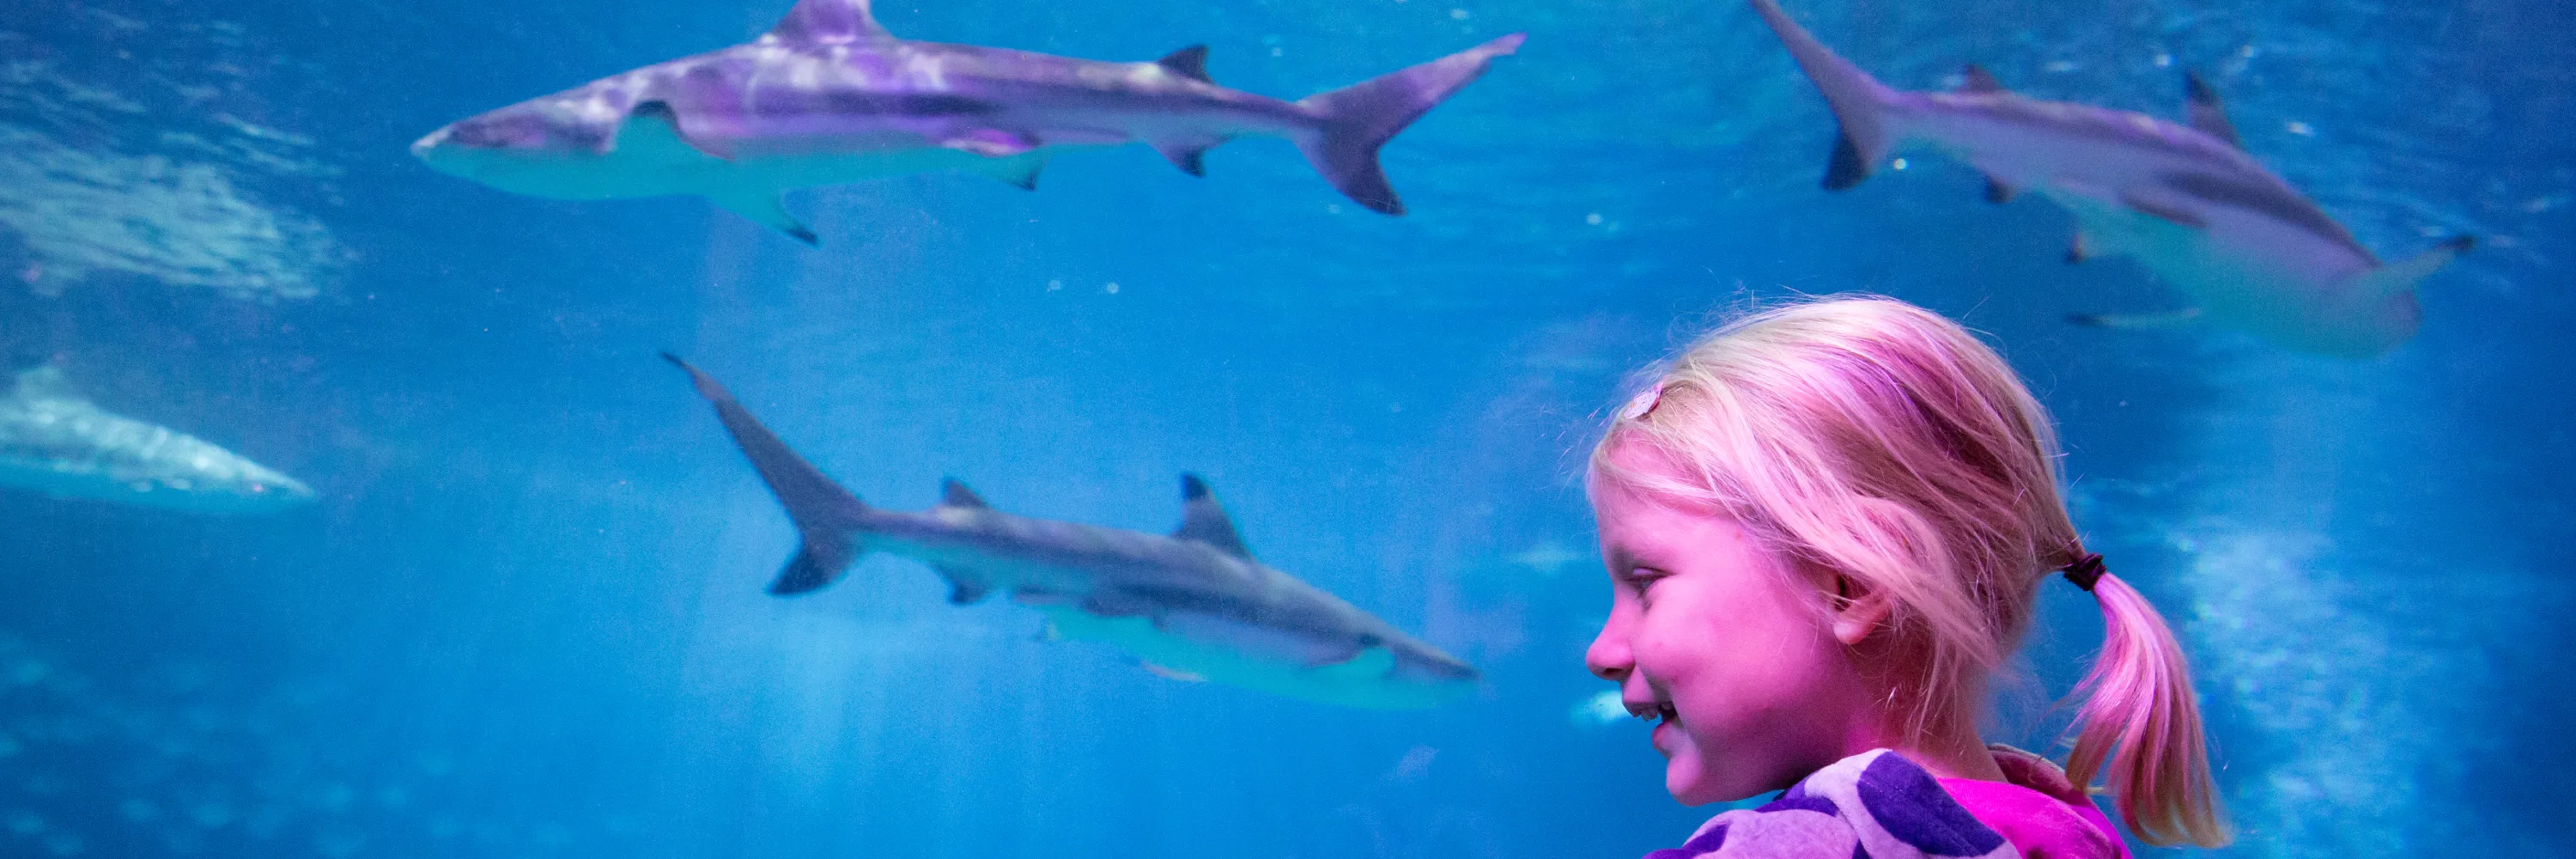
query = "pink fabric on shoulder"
{"x": 2043, "y": 815}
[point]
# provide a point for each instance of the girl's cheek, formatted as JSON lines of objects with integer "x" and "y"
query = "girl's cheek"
{"x": 1654, "y": 655}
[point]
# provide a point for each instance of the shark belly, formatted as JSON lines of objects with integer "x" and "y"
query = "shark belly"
{"x": 2255, "y": 260}
{"x": 2254, "y": 275}
{"x": 1233, "y": 653}
{"x": 1261, "y": 639}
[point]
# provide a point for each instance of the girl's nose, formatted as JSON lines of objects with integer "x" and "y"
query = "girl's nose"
{"x": 1608, "y": 656}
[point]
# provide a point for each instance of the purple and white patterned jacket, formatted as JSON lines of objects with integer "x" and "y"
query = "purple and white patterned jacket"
{"x": 1878, "y": 805}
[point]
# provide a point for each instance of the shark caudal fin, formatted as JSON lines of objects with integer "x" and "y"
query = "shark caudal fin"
{"x": 1859, "y": 101}
{"x": 1360, "y": 118}
{"x": 826, "y": 515}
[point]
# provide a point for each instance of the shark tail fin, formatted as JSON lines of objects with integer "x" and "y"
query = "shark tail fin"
{"x": 1360, "y": 118}
{"x": 827, "y": 516}
{"x": 1859, "y": 101}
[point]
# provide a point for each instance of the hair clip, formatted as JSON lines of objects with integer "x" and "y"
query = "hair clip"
{"x": 1643, "y": 402}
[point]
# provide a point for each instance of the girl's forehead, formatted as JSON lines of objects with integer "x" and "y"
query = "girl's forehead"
{"x": 1641, "y": 472}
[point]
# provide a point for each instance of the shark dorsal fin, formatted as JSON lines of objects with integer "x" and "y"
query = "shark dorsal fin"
{"x": 1975, "y": 78}
{"x": 955, "y": 494}
{"x": 1204, "y": 521}
{"x": 2207, "y": 114}
{"x": 827, "y": 22}
{"x": 44, "y": 383}
{"x": 1189, "y": 62}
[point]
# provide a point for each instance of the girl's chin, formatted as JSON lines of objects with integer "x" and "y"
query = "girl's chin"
{"x": 1688, "y": 778}
{"x": 1685, "y": 775}
{"x": 1684, "y": 782}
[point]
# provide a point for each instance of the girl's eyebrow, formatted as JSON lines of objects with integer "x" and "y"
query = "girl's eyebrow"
{"x": 1621, "y": 559}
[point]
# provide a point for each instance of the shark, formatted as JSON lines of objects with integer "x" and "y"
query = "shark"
{"x": 829, "y": 97}
{"x": 1192, "y": 605}
{"x": 2248, "y": 251}
{"x": 57, "y": 443}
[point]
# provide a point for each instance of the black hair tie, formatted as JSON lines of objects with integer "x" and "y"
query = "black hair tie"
{"x": 2085, "y": 571}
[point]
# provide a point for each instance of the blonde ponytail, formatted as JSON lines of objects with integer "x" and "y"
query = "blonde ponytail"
{"x": 2139, "y": 711}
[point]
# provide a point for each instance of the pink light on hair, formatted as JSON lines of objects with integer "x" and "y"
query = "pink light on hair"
{"x": 1888, "y": 445}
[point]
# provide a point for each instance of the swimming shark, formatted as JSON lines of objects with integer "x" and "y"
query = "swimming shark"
{"x": 1193, "y": 605}
{"x": 829, "y": 97}
{"x": 57, "y": 443}
{"x": 2249, "y": 251}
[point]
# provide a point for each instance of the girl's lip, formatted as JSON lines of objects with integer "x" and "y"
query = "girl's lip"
{"x": 1661, "y": 739}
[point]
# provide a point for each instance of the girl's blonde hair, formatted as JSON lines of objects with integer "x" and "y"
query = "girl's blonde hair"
{"x": 1886, "y": 444}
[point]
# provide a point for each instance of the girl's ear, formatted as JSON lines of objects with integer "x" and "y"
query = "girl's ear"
{"x": 1858, "y": 610}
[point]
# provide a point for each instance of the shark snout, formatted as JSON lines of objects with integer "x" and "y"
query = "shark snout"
{"x": 265, "y": 487}
{"x": 429, "y": 142}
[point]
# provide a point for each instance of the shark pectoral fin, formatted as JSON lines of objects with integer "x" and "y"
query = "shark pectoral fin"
{"x": 1369, "y": 664}
{"x": 2207, "y": 114}
{"x": 765, "y": 207}
{"x": 1188, "y": 153}
{"x": 961, "y": 589}
{"x": 656, "y": 122}
{"x": 2159, "y": 208}
{"x": 2164, "y": 321}
{"x": 1018, "y": 171}
{"x": 2401, "y": 276}
{"x": 1999, "y": 191}
{"x": 1203, "y": 520}
{"x": 1189, "y": 62}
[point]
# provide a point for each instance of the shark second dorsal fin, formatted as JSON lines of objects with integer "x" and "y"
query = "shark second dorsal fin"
{"x": 44, "y": 382}
{"x": 1204, "y": 521}
{"x": 826, "y": 22}
{"x": 1189, "y": 62}
{"x": 955, "y": 494}
{"x": 2207, "y": 114}
{"x": 1975, "y": 78}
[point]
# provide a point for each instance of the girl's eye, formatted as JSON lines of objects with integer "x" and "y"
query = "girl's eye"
{"x": 1643, "y": 579}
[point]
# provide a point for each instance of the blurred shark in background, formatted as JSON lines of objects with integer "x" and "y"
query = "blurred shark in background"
{"x": 1192, "y": 606}
{"x": 54, "y": 442}
{"x": 829, "y": 97}
{"x": 2250, "y": 252}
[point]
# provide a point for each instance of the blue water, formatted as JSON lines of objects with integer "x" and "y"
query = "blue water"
{"x": 525, "y": 617}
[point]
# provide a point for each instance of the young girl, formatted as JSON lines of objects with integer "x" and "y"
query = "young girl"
{"x": 1825, "y": 527}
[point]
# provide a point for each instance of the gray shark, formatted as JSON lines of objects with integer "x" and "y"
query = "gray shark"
{"x": 829, "y": 97}
{"x": 57, "y": 443}
{"x": 1193, "y": 605}
{"x": 2250, "y": 252}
